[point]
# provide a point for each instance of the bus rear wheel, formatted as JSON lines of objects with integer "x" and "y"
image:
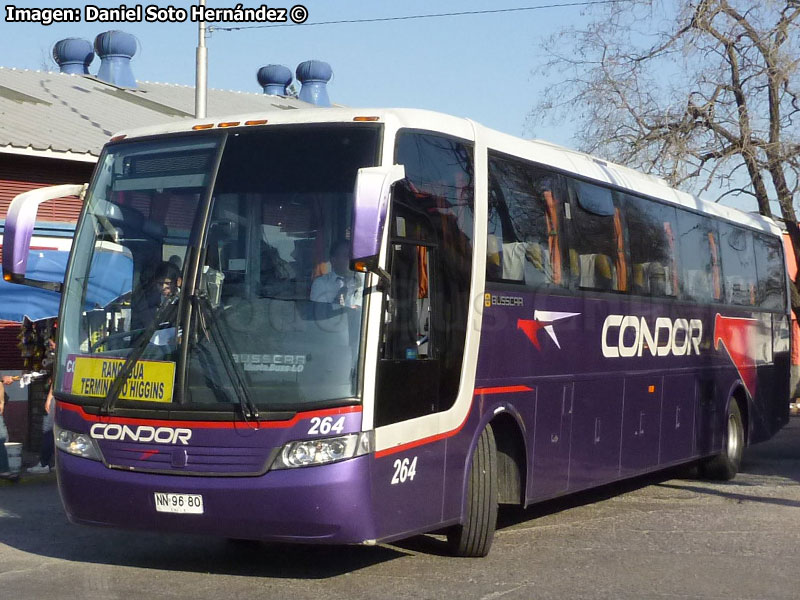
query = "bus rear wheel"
{"x": 725, "y": 465}
{"x": 474, "y": 537}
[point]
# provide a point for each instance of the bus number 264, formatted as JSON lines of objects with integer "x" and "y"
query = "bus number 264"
{"x": 326, "y": 425}
{"x": 404, "y": 470}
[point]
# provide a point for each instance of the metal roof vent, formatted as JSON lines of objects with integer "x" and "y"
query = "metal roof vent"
{"x": 73, "y": 55}
{"x": 314, "y": 75}
{"x": 115, "y": 49}
{"x": 274, "y": 79}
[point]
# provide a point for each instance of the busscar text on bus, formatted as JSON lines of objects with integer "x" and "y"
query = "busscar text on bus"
{"x": 340, "y": 326}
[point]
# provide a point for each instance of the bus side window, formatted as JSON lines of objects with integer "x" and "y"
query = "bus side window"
{"x": 597, "y": 245}
{"x": 524, "y": 242}
{"x": 651, "y": 238}
{"x": 738, "y": 265}
{"x": 699, "y": 258}
{"x": 771, "y": 276}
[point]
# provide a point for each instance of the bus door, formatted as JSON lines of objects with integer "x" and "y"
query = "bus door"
{"x": 408, "y": 368}
{"x": 423, "y": 329}
{"x": 408, "y": 484}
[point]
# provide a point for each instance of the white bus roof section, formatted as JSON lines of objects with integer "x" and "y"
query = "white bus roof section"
{"x": 538, "y": 151}
{"x": 603, "y": 171}
{"x": 404, "y": 117}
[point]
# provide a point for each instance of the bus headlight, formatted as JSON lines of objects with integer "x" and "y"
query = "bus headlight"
{"x": 79, "y": 444}
{"x": 307, "y": 453}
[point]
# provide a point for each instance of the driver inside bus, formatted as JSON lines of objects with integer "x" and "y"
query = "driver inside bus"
{"x": 157, "y": 291}
{"x": 340, "y": 285}
{"x": 167, "y": 282}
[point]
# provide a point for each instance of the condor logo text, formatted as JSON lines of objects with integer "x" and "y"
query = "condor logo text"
{"x": 143, "y": 433}
{"x": 626, "y": 336}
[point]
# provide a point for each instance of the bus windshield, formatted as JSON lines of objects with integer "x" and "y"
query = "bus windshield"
{"x": 274, "y": 314}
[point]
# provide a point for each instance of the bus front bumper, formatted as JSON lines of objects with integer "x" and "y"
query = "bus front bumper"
{"x": 322, "y": 504}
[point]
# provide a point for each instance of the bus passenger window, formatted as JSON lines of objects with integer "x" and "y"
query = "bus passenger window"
{"x": 524, "y": 242}
{"x": 771, "y": 274}
{"x": 738, "y": 265}
{"x": 652, "y": 243}
{"x": 597, "y": 249}
{"x": 699, "y": 258}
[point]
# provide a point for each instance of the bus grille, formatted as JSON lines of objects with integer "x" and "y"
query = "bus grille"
{"x": 189, "y": 460}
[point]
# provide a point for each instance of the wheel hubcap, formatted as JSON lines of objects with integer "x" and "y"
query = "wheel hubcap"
{"x": 734, "y": 438}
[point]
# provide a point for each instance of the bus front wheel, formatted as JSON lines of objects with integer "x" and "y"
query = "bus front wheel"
{"x": 725, "y": 465}
{"x": 474, "y": 536}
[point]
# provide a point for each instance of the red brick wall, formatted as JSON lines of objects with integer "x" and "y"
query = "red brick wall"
{"x": 10, "y": 359}
{"x": 23, "y": 173}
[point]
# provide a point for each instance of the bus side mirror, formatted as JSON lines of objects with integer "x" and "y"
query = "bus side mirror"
{"x": 372, "y": 194}
{"x": 20, "y": 221}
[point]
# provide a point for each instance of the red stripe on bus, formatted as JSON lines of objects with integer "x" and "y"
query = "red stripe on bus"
{"x": 506, "y": 389}
{"x": 409, "y": 445}
{"x": 209, "y": 424}
{"x": 421, "y": 442}
{"x": 440, "y": 436}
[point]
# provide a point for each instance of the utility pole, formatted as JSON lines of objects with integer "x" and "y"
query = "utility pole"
{"x": 201, "y": 78}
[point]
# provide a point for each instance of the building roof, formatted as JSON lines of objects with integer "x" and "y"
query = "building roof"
{"x": 72, "y": 116}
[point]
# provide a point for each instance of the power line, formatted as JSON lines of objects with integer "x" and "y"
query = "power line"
{"x": 428, "y": 16}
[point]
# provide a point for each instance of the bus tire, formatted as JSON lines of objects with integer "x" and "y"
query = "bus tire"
{"x": 474, "y": 537}
{"x": 725, "y": 465}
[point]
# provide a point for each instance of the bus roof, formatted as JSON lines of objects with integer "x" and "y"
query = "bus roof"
{"x": 538, "y": 151}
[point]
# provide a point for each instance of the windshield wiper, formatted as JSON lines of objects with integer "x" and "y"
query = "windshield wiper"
{"x": 162, "y": 315}
{"x": 204, "y": 311}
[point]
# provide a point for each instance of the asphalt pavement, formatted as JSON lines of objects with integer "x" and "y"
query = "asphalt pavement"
{"x": 668, "y": 536}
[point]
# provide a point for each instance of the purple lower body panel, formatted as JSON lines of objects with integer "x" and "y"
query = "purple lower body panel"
{"x": 324, "y": 504}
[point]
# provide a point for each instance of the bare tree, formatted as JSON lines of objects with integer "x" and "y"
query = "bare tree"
{"x": 701, "y": 92}
{"x": 46, "y": 62}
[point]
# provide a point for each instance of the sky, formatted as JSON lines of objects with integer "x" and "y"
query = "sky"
{"x": 480, "y": 66}
{"x": 476, "y": 66}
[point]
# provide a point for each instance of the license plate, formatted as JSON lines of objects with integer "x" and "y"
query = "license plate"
{"x": 179, "y": 503}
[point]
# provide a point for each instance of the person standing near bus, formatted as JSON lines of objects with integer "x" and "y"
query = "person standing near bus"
{"x": 48, "y": 442}
{"x": 5, "y": 470}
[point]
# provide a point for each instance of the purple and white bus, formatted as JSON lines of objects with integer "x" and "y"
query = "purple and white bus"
{"x": 342, "y": 326}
